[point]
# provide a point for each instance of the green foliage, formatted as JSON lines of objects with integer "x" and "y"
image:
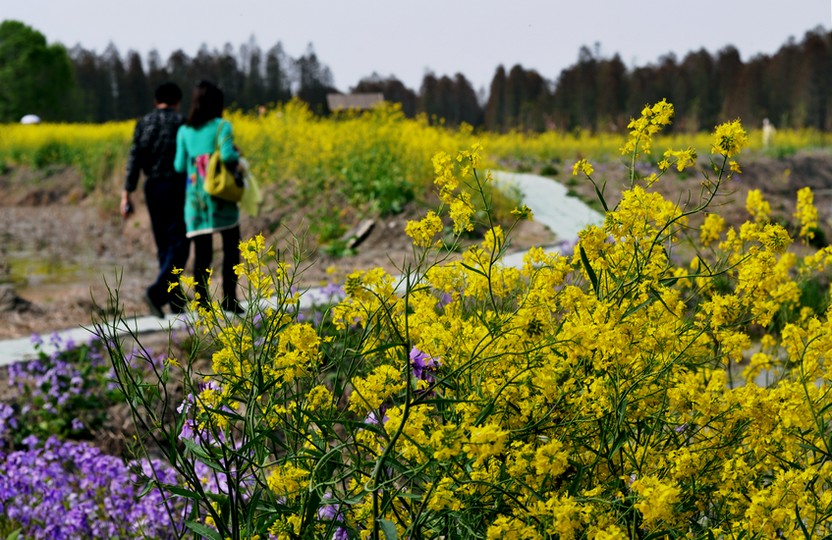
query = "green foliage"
{"x": 52, "y": 153}
{"x": 814, "y": 294}
{"x": 374, "y": 178}
{"x": 9, "y": 529}
{"x": 99, "y": 164}
{"x": 782, "y": 151}
{"x": 337, "y": 248}
{"x": 819, "y": 239}
{"x": 549, "y": 169}
{"x": 65, "y": 392}
{"x": 34, "y": 77}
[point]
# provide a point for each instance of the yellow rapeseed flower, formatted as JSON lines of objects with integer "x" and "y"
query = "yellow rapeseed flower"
{"x": 684, "y": 158}
{"x": 642, "y": 130}
{"x": 757, "y": 206}
{"x": 582, "y": 166}
{"x": 729, "y": 139}
{"x": 806, "y": 213}
{"x": 656, "y": 499}
{"x": 711, "y": 229}
{"x": 423, "y": 232}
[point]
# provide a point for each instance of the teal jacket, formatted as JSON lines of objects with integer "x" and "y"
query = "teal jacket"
{"x": 205, "y": 214}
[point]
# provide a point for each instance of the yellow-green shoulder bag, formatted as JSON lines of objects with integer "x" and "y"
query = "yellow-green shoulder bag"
{"x": 219, "y": 181}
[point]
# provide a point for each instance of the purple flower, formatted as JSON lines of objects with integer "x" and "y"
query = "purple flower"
{"x": 188, "y": 430}
{"x": 567, "y": 247}
{"x": 31, "y": 441}
{"x": 329, "y": 512}
{"x": 8, "y": 422}
{"x": 70, "y": 490}
{"x": 72, "y": 383}
{"x": 333, "y": 291}
{"x": 186, "y": 404}
{"x": 373, "y": 420}
{"x": 424, "y": 366}
{"x": 333, "y": 512}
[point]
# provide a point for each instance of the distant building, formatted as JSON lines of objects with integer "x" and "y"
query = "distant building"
{"x": 30, "y": 119}
{"x": 357, "y": 102}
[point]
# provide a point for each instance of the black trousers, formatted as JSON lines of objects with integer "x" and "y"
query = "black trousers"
{"x": 203, "y": 254}
{"x": 165, "y": 199}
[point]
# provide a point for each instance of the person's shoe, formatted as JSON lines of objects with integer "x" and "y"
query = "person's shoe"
{"x": 155, "y": 308}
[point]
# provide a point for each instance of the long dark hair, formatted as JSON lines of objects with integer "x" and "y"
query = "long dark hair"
{"x": 207, "y": 103}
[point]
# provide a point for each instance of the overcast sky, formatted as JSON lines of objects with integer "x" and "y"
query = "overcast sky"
{"x": 407, "y": 38}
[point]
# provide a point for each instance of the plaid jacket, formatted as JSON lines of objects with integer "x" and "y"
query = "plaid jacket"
{"x": 154, "y": 147}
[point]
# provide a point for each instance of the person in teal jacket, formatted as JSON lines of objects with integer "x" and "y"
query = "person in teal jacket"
{"x": 205, "y": 215}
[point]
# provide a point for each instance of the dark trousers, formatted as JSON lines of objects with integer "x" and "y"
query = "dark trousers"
{"x": 203, "y": 253}
{"x": 165, "y": 200}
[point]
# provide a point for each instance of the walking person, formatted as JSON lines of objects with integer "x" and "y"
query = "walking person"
{"x": 205, "y": 215}
{"x": 153, "y": 151}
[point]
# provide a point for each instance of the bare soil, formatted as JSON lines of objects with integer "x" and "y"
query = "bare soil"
{"x": 63, "y": 251}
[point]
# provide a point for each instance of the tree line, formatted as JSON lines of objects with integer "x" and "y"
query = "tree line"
{"x": 793, "y": 87}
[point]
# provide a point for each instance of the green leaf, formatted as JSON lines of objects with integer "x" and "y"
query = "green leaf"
{"x": 388, "y": 528}
{"x": 800, "y": 522}
{"x": 474, "y": 270}
{"x": 590, "y": 272}
{"x": 196, "y": 449}
{"x": 203, "y": 530}
{"x": 600, "y": 197}
{"x": 635, "y": 308}
{"x": 202, "y": 455}
{"x": 182, "y": 492}
{"x": 14, "y": 535}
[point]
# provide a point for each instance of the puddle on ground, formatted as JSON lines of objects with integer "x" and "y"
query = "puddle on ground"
{"x": 35, "y": 277}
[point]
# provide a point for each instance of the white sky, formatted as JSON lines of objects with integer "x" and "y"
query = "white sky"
{"x": 407, "y": 38}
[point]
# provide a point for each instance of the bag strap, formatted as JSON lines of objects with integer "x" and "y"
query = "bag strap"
{"x": 217, "y": 143}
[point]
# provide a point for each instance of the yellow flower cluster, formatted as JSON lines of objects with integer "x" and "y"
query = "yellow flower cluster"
{"x": 591, "y": 347}
{"x": 729, "y": 139}
{"x": 582, "y": 166}
{"x": 423, "y": 232}
{"x": 806, "y": 213}
{"x": 711, "y": 229}
{"x": 657, "y": 499}
{"x": 757, "y": 206}
{"x": 652, "y": 120}
{"x": 591, "y": 394}
{"x": 370, "y": 392}
{"x": 684, "y": 159}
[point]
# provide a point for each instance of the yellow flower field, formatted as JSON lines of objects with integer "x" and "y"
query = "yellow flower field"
{"x": 379, "y": 157}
